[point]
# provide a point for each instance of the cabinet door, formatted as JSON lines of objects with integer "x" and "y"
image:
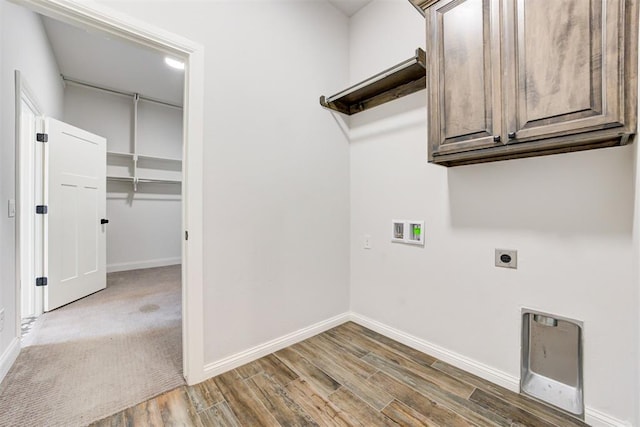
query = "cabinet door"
{"x": 565, "y": 61}
{"x": 464, "y": 78}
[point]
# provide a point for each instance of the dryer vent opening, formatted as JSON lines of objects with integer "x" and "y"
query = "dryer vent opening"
{"x": 551, "y": 362}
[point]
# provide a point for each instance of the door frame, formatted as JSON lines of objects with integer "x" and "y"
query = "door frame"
{"x": 97, "y": 17}
{"x": 25, "y": 176}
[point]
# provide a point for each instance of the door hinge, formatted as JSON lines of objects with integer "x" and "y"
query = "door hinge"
{"x": 42, "y": 209}
{"x": 41, "y": 281}
{"x": 186, "y": 235}
{"x": 42, "y": 137}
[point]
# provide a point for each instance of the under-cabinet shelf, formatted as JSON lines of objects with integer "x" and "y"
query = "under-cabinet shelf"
{"x": 400, "y": 80}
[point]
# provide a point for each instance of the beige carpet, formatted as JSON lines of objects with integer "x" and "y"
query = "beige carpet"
{"x": 99, "y": 355}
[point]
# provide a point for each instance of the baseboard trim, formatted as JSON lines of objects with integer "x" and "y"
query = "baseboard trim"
{"x": 465, "y": 363}
{"x": 595, "y": 418}
{"x": 137, "y": 265}
{"x": 592, "y": 416}
{"x": 228, "y": 363}
{"x": 9, "y": 357}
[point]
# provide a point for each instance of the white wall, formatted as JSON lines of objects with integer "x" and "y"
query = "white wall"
{"x": 277, "y": 203}
{"x": 276, "y": 165}
{"x": 569, "y": 216}
{"x": 144, "y": 226}
{"x": 24, "y": 46}
{"x": 636, "y": 259}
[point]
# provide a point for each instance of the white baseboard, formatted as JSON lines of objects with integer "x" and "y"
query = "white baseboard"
{"x": 459, "y": 361}
{"x": 592, "y": 416}
{"x": 9, "y": 357}
{"x": 137, "y": 265}
{"x": 228, "y": 363}
{"x": 596, "y": 418}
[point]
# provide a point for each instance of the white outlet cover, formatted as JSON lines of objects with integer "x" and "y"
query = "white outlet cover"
{"x": 367, "y": 243}
{"x": 12, "y": 208}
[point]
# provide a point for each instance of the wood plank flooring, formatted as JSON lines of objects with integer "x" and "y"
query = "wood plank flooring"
{"x": 347, "y": 376}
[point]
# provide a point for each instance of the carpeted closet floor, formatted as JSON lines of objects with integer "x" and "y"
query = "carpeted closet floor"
{"x": 99, "y": 355}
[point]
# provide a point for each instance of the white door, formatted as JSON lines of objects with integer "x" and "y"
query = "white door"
{"x": 75, "y": 257}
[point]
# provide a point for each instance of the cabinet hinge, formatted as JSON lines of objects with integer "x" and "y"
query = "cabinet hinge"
{"x": 42, "y": 137}
{"x": 42, "y": 209}
{"x": 41, "y": 281}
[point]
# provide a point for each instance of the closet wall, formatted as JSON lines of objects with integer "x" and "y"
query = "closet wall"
{"x": 144, "y": 225}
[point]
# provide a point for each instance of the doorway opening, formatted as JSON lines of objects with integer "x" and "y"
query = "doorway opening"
{"x": 101, "y": 216}
{"x": 149, "y": 177}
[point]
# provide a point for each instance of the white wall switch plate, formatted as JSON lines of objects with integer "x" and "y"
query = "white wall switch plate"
{"x": 12, "y": 208}
{"x": 367, "y": 243}
{"x": 507, "y": 258}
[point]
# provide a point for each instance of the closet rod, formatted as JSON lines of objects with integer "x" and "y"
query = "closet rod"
{"x": 116, "y": 92}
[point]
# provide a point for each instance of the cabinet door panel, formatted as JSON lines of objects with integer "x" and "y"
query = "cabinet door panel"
{"x": 464, "y": 83}
{"x": 567, "y": 67}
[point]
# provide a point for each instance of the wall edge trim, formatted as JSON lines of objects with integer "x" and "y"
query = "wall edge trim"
{"x": 137, "y": 265}
{"x": 592, "y": 416}
{"x": 9, "y": 357}
{"x": 465, "y": 363}
{"x": 597, "y": 418}
{"x": 231, "y": 362}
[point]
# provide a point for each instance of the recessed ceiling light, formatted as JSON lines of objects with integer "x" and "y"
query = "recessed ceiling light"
{"x": 174, "y": 63}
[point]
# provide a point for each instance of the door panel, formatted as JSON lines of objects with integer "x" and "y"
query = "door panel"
{"x": 88, "y": 232}
{"x": 563, "y": 48}
{"x": 464, "y": 75}
{"x": 68, "y": 248}
{"x": 464, "y": 71}
{"x": 77, "y": 201}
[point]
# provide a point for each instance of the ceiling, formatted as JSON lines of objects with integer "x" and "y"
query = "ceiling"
{"x": 111, "y": 63}
{"x": 98, "y": 59}
{"x": 349, "y": 7}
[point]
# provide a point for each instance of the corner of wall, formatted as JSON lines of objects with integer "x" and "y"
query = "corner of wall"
{"x": 235, "y": 360}
{"x": 8, "y": 357}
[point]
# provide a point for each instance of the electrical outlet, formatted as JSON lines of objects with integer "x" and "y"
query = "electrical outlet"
{"x": 1, "y": 320}
{"x": 507, "y": 258}
{"x": 367, "y": 243}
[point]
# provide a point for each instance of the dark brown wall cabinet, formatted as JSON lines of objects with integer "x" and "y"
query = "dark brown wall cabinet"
{"x": 519, "y": 78}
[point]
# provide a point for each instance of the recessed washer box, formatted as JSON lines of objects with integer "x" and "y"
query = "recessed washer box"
{"x": 405, "y": 231}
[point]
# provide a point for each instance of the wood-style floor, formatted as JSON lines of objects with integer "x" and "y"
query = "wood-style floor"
{"x": 347, "y": 376}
